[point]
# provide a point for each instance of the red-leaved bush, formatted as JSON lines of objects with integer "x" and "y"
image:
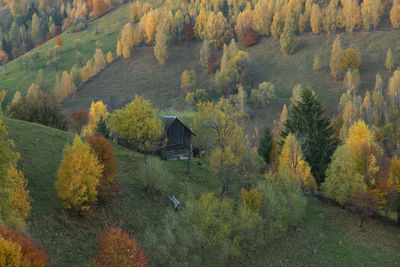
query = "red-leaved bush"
{"x": 31, "y": 254}
{"x": 249, "y": 37}
{"x": 78, "y": 119}
{"x": 118, "y": 248}
{"x": 108, "y": 185}
{"x": 363, "y": 204}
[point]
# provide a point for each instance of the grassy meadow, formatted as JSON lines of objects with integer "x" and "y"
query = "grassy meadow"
{"x": 329, "y": 235}
{"x": 141, "y": 74}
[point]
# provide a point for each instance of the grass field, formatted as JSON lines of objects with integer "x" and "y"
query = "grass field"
{"x": 142, "y": 74}
{"x": 71, "y": 240}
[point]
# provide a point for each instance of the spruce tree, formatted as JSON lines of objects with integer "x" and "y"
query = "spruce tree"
{"x": 314, "y": 131}
{"x": 265, "y": 146}
{"x": 102, "y": 129}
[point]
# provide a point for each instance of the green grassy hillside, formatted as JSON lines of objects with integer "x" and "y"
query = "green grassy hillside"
{"x": 329, "y": 236}
{"x": 161, "y": 84}
{"x": 106, "y": 30}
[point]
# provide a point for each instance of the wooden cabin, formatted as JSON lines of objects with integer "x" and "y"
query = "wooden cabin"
{"x": 179, "y": 138}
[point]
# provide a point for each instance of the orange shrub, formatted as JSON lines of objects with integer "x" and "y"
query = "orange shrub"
{"x": 108, "y": 185}
{"x": 59, "y": 42}
{"x": 118, "y": 248}
{"x": 249, "y": 37}
{"x": 30, "y": 253}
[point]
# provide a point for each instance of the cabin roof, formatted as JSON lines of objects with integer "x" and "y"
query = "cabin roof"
{"x": 169, "y": 120}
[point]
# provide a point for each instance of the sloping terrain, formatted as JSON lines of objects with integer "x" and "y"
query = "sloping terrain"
{"x": 141, "y": 73}
{"x": 329, "y": 236}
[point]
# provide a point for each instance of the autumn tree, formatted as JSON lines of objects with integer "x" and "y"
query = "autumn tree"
{"x": 215, "y": 29}
{"x": 109, "y": 57}
{"x": 161, "y": 46}
{"x": 29, "y": 253}
{"x": 100, "y": 7}
{"x": 316, "y": 19}
{"x": 263, "y": 94}
{"x": 308, "y": 123}
{"x": 78, "y": 119}
{"x": 150, "y": 23}
{"x": 127, "y": 42}
{"x": 99, "y": 62}
{"x": 118, "y": 248}
{"x": 334, "y": 62}
{"x": 249, "y": 37}
{"x": 389, "y": 62}
{"x": 35, "y": 28}
{"x": 288, "y": 42}
{"x": 277, "y": 25}
{"x": 252, "y": 199}
{"x": 78, "y": 176}
{"x": 139, "y": 124}
{"x": 3, "y": 60}
{"x": 371, "y": 11}
{"x": 108, "y": 184}
{"x": 291, "y": 159}
{"x": 204, "y": 53}
{"x": 395, "y": 15}
{"x": 20, "y": 198}
{"x": 59, "y": 42}
{"x": 119, "y": 48}
{"x": 349, "y": 59}
{"x": 188, "y": 79}
{"x": 317, "y": 63}
{"x": 351, "y": 15}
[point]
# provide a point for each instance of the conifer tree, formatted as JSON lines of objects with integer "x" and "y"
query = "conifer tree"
{"x": 288, "y": 42}
{"x": 335, "y": 58}
{"x": 389, "y": 62}
{"x": 265, "y": 146}
{"x": 308, "y": 123}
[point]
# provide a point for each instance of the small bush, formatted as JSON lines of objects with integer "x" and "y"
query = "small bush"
{"x": 155, "y": 177}
{"x": 249, "y": 37}
{"x": 264, "y": 94}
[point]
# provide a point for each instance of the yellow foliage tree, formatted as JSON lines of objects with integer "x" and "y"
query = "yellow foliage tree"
{"x": 161, "y": 46}
{"x": 109, "y": 57}
{"x": 151, "y": 21}
{"x": 252, "y": 199}
{"x": 334, "y": 62}
{"x": 78, "y": 176}
{"x": 215, "y": 29}
{"x": 351, "y": 14}
{"x": 395, "y": 15}
{"x": 126, "y": 41}
{"x": 21, "y": 199}
{"x": 349, "y": 59}
{"x": 10, "y": 253}
{"x": 316, "y": 19}
{"x": 359, "y": 134}
{"x": 389, "y": 62}
{"x": 119, "y": 48}
{"x": 291, "y": 159}
{"x": 99, "y": 62}
{"x": 139, "y": 123}
{"x": 97, "y": 110}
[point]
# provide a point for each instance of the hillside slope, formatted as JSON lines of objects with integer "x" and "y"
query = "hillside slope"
{"x": 161, "y": 84}
{"x": 329, "y": 235}
{"x": 105, "y": 29}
